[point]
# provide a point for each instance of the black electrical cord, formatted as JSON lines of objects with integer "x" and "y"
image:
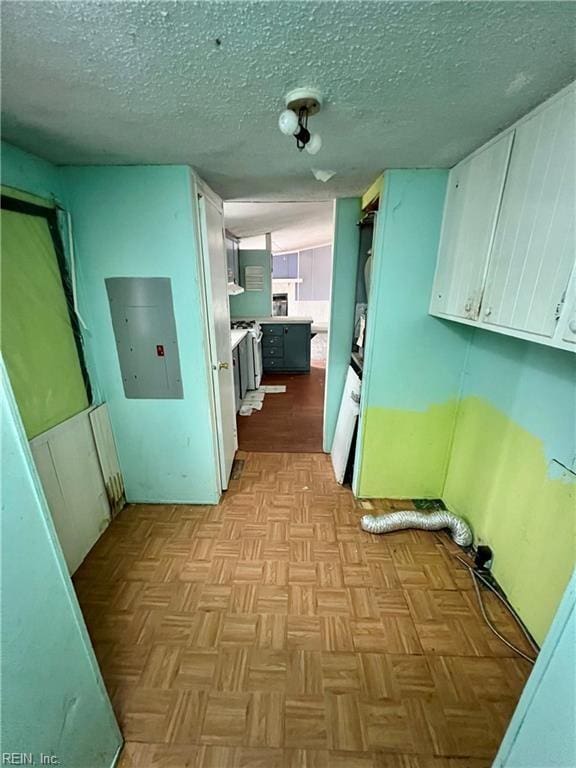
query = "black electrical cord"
{"x": 303, "y": 135}
{"x": 478, "y": 577}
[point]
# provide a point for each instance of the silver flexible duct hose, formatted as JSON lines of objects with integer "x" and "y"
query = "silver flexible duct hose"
{"x": 426, "y": 521}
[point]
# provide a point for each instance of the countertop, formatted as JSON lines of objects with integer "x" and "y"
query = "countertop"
{"x": 236, "y": 336}
{"x": 280, "y": 320}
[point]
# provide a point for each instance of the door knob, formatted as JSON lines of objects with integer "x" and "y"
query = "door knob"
{"x": 572, "y": 325}
{"x": 223, "y": 365}
{"x": 488, "y": 312}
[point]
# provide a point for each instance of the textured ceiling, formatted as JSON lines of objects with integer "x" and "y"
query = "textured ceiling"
{"x": 406, "y": 84}
{"x": 293, "y": 225}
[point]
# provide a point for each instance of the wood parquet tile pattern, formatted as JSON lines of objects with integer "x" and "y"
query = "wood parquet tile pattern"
{"x": 271, "y": 631}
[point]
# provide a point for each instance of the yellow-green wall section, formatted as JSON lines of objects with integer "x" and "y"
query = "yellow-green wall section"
{"x": 406, "y": 450}
{"x": 500, "y": 480}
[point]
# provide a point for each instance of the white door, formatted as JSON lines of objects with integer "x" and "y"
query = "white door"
{"x": 347, "y": 418}
{"x": 472, "y": 201}
{"x": 533, "y": 252}
{"x": 216, "y": 277}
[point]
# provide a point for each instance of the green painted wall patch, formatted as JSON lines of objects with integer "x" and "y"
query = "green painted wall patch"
{"x": 405, "y": 453}
{"x": 501, "y": 481}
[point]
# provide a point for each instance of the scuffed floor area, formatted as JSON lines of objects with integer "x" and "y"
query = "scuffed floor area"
{"x": 270, "y": 631}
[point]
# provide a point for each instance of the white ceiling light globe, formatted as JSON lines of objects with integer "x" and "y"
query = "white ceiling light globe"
{"x": 288, "y": 122}
{"x": 315, "y": 144}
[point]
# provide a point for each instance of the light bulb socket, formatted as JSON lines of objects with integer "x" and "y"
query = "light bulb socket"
{"x": 300, "y": 109}
{"x": 302, "y": 137}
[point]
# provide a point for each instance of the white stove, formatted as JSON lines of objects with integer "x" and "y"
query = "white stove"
{"x": 254, "y": 350}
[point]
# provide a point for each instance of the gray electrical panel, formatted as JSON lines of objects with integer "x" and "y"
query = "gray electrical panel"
{"x": 145, "y": 331}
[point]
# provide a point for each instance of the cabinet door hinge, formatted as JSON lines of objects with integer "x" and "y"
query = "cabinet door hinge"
{"x": 559, "y": 306}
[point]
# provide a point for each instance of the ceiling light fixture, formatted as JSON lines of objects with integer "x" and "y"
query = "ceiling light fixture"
{"x": 301, "y": 104}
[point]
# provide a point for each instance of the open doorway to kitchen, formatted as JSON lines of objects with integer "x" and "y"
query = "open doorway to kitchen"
{"x": 280, "y": 268}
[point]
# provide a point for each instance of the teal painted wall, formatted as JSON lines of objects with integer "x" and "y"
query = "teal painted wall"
{"x": 53, "y": 698}
{"x": 481, "y": 420}
{"x": 342, "y": 307}
{"x": 29, "y": 173}
{"x": 138, "y": 222}
{"x": 542, "y": 731}
{"x": 413, "y": 362}
{"x": 253, "y": 303}
{"x": 533, "y": 384}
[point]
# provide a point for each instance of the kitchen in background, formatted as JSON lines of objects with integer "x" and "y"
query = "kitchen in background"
{"x": 301, "y": 286}
{"x": 279, "y": 311}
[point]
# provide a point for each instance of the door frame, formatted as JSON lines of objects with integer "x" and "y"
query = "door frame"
{"x": 200, "y": 189}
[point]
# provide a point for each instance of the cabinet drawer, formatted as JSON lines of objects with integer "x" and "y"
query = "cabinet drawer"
{"x": 272, "y": 330}
{"x": 273, "y": 362}
{"x": 272, "y": 341}
{"x": 274, "y": 352}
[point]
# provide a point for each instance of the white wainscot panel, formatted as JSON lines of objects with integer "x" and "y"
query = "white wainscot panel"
{"x": 69, "y": 468}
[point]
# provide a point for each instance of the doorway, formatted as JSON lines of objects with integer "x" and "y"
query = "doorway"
{"x": 283, "y": 277}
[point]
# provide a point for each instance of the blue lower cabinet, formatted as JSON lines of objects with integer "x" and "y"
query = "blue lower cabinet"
{"x": 286, "y": 347}
{"x": 273, "y": 341}
{"x": 271, "y": 364}
{"x": 274, "y": 352}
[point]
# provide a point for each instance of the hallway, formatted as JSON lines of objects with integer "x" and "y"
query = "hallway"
{"x": 270, "y": 631}
{"x": 290, "y": 421}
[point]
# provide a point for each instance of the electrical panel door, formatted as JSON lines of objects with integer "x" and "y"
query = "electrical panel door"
{"x": 145, "y": 330}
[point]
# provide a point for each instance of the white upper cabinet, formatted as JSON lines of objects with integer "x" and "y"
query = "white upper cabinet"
{"x": 533, "y": 251}
{"x": 508, "y": 247}
{"x": 472, "y": 201}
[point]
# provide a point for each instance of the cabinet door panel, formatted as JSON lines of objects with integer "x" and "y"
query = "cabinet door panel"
{"x": 533, "y": 251}
{"x": 233, "y": 270}
{"x": 472, "y": 201}
{"x": 296, "y": 347}
{"x": 230, "y": 259}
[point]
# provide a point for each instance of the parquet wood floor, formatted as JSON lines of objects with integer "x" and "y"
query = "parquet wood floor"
{"x": 271, "y": 631}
